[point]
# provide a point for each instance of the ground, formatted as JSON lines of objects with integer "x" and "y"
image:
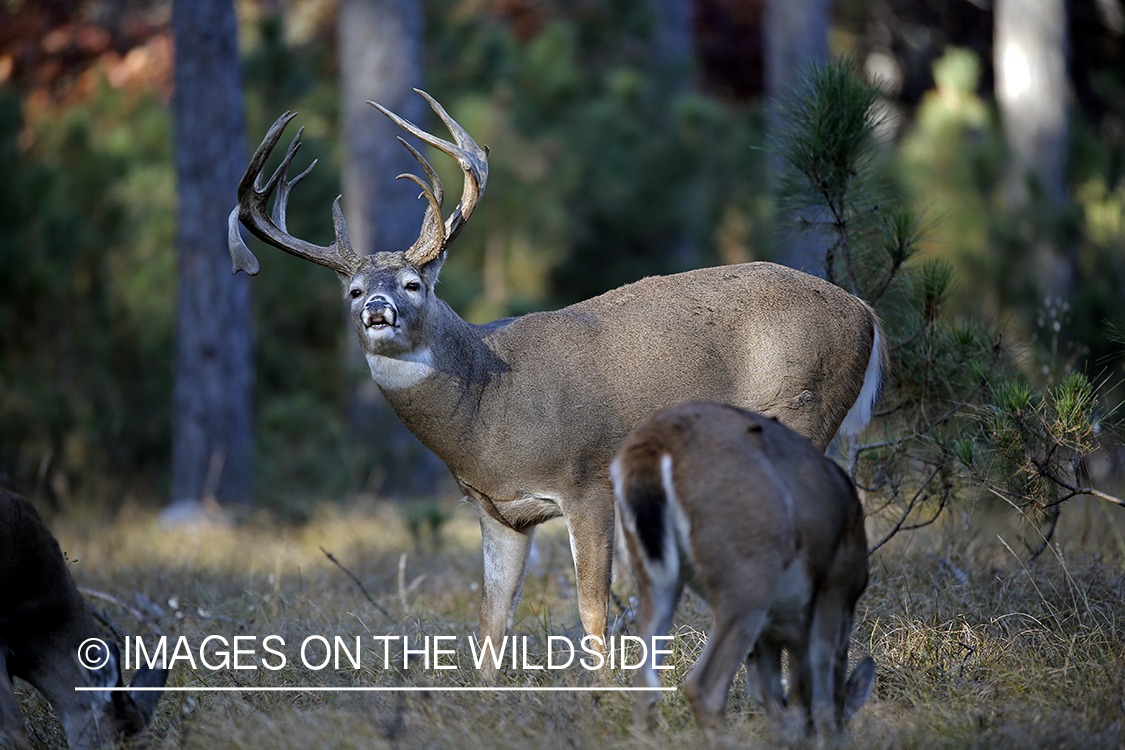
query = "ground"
{"x": 975, "y": 645}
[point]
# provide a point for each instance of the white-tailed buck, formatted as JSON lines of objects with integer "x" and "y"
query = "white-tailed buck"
{"x": 527, "y": 412}
{"x": 44, "y": 622}
{"x": 770, "y": 532}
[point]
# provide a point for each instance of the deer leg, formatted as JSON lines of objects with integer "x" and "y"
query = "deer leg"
{"x": 728, "y": 644}
{"x": 763, "y": 675}
{"x": 591, "y": 545}
{"x": 827, "y": 656}
{"x": 505, "y": 565}
{"x": 656, "y": 605}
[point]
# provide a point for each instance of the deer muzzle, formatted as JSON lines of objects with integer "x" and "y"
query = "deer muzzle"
{"x": 379, "y": 313}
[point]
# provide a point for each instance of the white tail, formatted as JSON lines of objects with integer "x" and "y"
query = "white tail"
{"x": 527, "y": 412}
{"x": 43, "y": 623}
{"x": 767, "y": 530}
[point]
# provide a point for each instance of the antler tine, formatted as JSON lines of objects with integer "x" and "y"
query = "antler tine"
{"x": 432, "y": 234}
{"x": 284, "y": 184}
{"x": 438, "y": 188}
{"x": 473, "y": 161}
{"x": 253, "y": 196}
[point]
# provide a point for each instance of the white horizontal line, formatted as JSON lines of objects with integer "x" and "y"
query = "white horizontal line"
{"x": 387, "y": 689}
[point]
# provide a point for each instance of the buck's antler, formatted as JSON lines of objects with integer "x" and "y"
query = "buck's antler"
{"x": 435, "y": 235}
{"x": 251, "y": 210}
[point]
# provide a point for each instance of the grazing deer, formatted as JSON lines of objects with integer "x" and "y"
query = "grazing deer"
{"x": 44, "y": 622}
{"x": 527, "y": 412}
{"x": 770, "y": 532}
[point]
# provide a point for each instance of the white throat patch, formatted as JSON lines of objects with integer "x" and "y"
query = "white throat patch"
{"x": 401, "y": 372}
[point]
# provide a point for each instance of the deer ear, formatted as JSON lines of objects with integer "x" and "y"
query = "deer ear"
{"x": 138, "y": 706}
{"x": 431, "y": 269}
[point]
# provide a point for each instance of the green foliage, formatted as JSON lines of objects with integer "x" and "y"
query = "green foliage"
{"x": 87, "y": 298}
{"x": 1031, "y": 445}
{"x": 86, "y": 275}
{"x": 605, "y": 167}
{"x": 832, "y": 173}
{"x": 957, "y": 414}
{"x": 952, "y": 159}
{"x": 425, "y": 520}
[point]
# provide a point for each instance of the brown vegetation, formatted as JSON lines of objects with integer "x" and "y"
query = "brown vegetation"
{"x": 974, "y": 647}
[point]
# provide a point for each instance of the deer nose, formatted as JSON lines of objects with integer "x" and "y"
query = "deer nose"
{"x": 379, "y": 312}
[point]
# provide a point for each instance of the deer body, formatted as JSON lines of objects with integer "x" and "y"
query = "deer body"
{"x": 527, "y": 412}
{"x": 766, "y": 529}
{"x": 43, "y": 622}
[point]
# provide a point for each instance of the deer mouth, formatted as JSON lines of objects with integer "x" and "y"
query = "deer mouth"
{"x": 380, "y": 317}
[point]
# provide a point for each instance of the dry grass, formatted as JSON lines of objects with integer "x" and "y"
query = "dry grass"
{"x": 974, "y": 646}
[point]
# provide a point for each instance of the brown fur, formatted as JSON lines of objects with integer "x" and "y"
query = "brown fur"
{"x": 771, "y": 534}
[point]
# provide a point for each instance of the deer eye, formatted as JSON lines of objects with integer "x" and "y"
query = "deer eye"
{"x": 412, "y": 286}
{"x": 355, "y": 293}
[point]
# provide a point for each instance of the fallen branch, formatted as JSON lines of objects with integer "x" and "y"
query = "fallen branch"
{"x": 136, "y": 613}
{"x": 362, "y": 588}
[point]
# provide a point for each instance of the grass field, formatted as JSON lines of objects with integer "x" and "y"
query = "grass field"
{"x": 975, "y": 646}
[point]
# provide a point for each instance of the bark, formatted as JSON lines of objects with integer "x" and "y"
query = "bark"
{"x": 796, "y": 34}
{"x": 1032, "y": 90}
{"x": 212, "y": 428}
{"x": 381, "y": 60}
{"x": 673, "y": 44}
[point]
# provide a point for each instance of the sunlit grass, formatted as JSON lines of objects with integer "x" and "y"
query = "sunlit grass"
{"x": 975, "y": 646}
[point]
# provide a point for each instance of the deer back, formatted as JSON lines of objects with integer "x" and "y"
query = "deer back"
{"x": 548, "y": 397}
{"x": 747, "y": 487}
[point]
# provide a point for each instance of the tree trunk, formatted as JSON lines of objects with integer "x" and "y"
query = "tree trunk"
{"x": 796, "y": 34}
{"x": 1031, "y": 88}
{"x": 1030, "y": 53}
{"x": 212, "y": 433}
{"x": 381, "y": 60}
{"x": 673, "y": 45}
{"x": 673, "y": 53}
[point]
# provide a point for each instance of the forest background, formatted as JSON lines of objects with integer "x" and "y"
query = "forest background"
{"x": 627, "y": 139}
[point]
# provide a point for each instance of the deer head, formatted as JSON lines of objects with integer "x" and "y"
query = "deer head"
{"x": 527, "y": 412}
{"x": 387, "y": 292}
{"x": 44, "y": 622}
{"x": 766, "y": 529}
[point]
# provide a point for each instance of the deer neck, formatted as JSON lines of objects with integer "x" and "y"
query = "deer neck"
{"x": 447, "y": 347}
{"x": 439, "y": 388}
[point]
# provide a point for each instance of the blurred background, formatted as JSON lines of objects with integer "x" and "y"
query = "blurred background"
{"x": 628, "y": 137}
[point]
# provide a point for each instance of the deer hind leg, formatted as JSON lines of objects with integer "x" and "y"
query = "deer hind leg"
{"x": 657, "y": 597}
{"x": 505, "y": 565}
{"x": 736, "y": 630}
{"x": 591, "y": 545}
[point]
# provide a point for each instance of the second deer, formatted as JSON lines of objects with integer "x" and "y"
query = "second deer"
{"x": 770, "y": 532}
